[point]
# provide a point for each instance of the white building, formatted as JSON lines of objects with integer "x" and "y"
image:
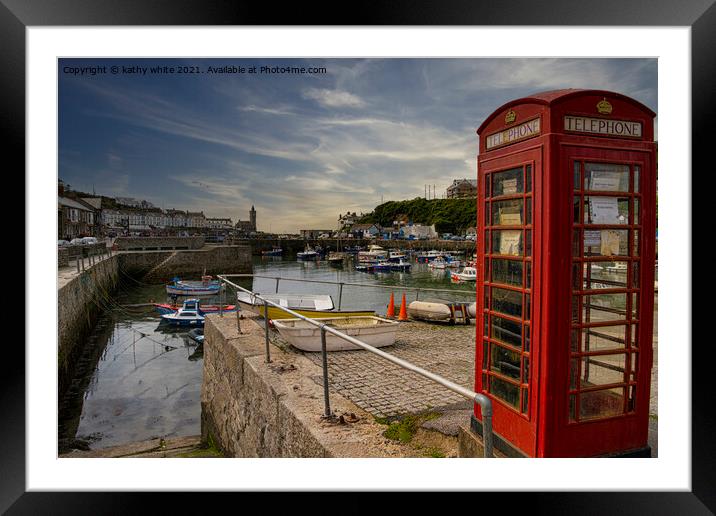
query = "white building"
{"x": 419, "y": 231}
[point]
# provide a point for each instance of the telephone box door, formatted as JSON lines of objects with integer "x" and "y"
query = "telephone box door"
{"x": 612, "y": 234}
{"x": 508, "y": 345}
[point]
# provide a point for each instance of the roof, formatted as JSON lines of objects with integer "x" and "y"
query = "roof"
{"x": 552, "y": 97}
{"x": 95, "y": 202}
{"x": 72, "y": 203}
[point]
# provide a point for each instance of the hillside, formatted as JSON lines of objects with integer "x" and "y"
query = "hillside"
{"x": 448, "y": 215}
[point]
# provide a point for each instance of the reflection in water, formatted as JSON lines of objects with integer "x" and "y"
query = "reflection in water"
{"x": 139, "y": 379}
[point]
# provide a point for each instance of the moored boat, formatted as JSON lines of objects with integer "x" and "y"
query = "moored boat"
{"x": 374, "y": 331}
{"x": 429, "y": 310}
{"x": 438, "y": 263}
{"x": 396, "y": 256}
{"x": 205, "y": 287}
{"x": 188, "y": 315}
{"x": 401, "y": 266}
{"x": 374, "y": 253}
{"x": 168, "y": 308}
{"x": 466, "y": 274}
{"x": 307, "y": 254}
{"x": 312, "y": 306}
{"x": 275, "y": 251}
{"x": 428, "y": 256}
{"x": 336, "y": 258}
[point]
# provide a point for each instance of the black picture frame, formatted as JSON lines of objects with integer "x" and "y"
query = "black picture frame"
{"x": 17, "y": 15}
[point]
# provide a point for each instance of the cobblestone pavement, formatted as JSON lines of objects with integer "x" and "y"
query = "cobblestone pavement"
{"x": 385, "y": 389}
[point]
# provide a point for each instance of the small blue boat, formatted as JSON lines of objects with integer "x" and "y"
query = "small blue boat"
{"x": 205, "y": 287}
{"x": 188, "y": 315}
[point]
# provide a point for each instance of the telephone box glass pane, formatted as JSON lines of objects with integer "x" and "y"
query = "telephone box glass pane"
{"x": 601, "y": 404}
{"x": 528, "y": 242}
{"x": 635, "y": 243}
{"x": 505, "y": 362}
{"x": 635, "y": 336}
{"x": 574, "y": 341}
{"x": 507, "y": 242}
{"x": 577, "y": 209}
{"x": 528, "y": 278}
{"x": 636, "y": 179}
{"x": 507, "y": 213}
{"x": 606, "y": 275}
{"x": 506, "y": 331}
{"x": 602, "y": 370}
{"x": 606, "y": 242}
{"x": 525, "y": 401}
{"x": 577, "y": 177}
{"x": 606, "y": 177}
{"x": 505, "y": 391}
{"x": 603, "y": 337}
{"x": 528, "y": 179}
{"x": 509, "y": 182}
{"x": 606, "y": 210}
{"x": 635, "y": 275}
{"x": 634, "y": 366}
{"x": 508, "y": 272}
{"x": 636, "y": 210}
{"x": 507, "y": 301}
{"x": 604, "y": 307}
{"x": 528, "y": 211}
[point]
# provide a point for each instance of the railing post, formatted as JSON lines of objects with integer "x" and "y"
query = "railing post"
{"x": 77, "y": 262}
{"x": 266, "y": 322}
{"x": 324, "y": 357}
{"x": 340, "y": 295}
{"x": 417, "y": 294}
{"x": 221, "y": 299}
{"x": 487, "y": 437}
{"x": 277, "y": 280}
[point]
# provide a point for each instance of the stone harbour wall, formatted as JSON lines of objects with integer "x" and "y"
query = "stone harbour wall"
{"x": 161, "y": 266}
{"x": 254, "y": 409}
{"x": 78, "y": 304}
{"x": 158, "y": 243}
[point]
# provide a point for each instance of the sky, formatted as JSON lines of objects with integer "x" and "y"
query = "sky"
{"x": 301, "y": 148}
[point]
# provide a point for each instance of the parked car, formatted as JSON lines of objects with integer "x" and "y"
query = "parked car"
{"x": 76, "y": 241}
{"x": 89, "y": 240}
{"x": 62, "y": 243}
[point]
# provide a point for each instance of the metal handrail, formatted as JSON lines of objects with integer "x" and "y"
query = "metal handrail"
{"x": 342, "y": 283}
{"x": 482, "y": 400}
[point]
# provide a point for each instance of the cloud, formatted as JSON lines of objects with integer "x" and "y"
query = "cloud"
{"x": 305, "y": 149}
{"x": 334, "y": 98}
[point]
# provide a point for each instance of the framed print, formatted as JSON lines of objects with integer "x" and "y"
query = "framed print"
{"x": 172, "y": 112}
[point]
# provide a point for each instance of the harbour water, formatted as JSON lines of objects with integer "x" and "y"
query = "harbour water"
{"x": 140, "y": 379}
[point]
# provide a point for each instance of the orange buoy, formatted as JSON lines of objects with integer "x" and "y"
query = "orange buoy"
{"x": 403, "y": 312}
{"x": 391, "y": 307}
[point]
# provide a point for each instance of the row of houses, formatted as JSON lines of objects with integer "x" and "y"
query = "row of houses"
{"x": 79, "y": 215}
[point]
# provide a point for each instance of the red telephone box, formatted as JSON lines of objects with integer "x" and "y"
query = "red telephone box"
{"x": 566, "y": 262}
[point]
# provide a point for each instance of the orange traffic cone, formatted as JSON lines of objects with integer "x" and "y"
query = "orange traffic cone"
{"x": 391, "y": 307}
{"x": 403, "y": 313}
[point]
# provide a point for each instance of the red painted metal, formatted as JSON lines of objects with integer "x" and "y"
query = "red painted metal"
{"x": 548, "y": 426}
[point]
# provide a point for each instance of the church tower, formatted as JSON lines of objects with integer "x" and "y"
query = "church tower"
{"x": 252, "y": 218}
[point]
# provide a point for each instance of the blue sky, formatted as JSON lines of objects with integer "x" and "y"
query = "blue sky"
{"x": 301, "y": 148}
